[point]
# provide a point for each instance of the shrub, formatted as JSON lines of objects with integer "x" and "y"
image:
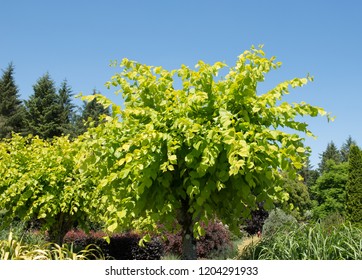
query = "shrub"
{"x": 123, "y": 246}
{"x": 277, "y": 219}
{"x": 332, "y": 221}
{"x": 215, "y": 242}
{"x": 21, "y": 231}
{"x": 256, "y": 221}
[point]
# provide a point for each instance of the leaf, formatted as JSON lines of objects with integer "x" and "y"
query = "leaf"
{"x": 107, "y": 239}
{"x": 172, "y": 159}
{"x": 112, "y": 227}
{"x": 121, "y": 214}
{"x": 146, "y": 238}
{"x": 197, "y": 145}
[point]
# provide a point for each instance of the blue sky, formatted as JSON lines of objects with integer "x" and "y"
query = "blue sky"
{"x": 77, "y": 40}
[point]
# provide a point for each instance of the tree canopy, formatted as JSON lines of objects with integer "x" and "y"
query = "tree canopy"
{"x": 212, "y": 148}
{"x": 329, "y": 191}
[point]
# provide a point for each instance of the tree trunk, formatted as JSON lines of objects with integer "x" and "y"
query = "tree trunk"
{"x": 58, "y": 230}
{"x": 188, "y": 240}
{"x": 189, "y": 246}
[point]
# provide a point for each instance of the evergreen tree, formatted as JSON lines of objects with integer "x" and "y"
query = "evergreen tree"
{"x": 11, "y": 107}
{"x": 67, "y": 110}
{"x": 346, "y": 148}
{"x": 44, "y": 116}
{"x": 91, "y": 114}
{"x": 354, "y": 186}
{"x": 331, "y": 153}
{"x": 309, "y": 174}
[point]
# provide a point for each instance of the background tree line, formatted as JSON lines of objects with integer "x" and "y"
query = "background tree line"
{"x": 333, "y": 188}
{"x": 48, "y": 112}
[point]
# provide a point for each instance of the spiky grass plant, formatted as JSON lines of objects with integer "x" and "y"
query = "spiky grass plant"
{"x": 309, "y": 242}
{"x": 12, "y": 249}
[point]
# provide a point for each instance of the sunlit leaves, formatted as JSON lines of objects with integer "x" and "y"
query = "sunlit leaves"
{"x": 184, "y": 135}
{"x": 40, "y": 180}
{"x": 214, "y": 142}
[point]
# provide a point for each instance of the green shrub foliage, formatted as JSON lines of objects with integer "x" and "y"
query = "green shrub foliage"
{"x": 40, "y": 180}
{"x": 329, "y": 192}
{"x": 277, "y": 219}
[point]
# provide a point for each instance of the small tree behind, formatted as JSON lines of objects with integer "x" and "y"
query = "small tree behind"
{"x": 40, "y": 180}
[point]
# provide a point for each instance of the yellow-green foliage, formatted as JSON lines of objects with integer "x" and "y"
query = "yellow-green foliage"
{"x": 40, "y": 180}
{"x": 12, "y": 249}
{"x": 190, "y": 144}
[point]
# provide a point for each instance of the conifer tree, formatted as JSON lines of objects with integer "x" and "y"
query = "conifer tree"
{"x": 11, "y": 107}
{"x": 354, "y": 186}
{"x": 331, "y": 153}
{"x": 43, "y": 109}
{"x": 309, "y": 174}
{"x": 345, "y": 149}
{"x": 92, "y": 111}
{"x": 67, "y": 110}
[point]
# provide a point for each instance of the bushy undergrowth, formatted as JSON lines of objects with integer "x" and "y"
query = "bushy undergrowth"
{"x": 22, "y": 231}
{"x": 276, "y": 220}
{"x": 26, "y": 244}
{"x": 255, "y": 223}
{"x": 123, "y": 246}
{"x": 216, "y": 243}
{"x": 309, "y": 242}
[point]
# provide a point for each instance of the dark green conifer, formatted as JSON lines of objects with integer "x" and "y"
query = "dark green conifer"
{"x": 331, "y": 153}
{"x": 11, "y": 107}
{"x": 91, "y": 114}
{"x": 346, "y": 148}
{"x": 67, "y": 110}
{"x": 354, "y": 186}
{"x": 43, "y": 109}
